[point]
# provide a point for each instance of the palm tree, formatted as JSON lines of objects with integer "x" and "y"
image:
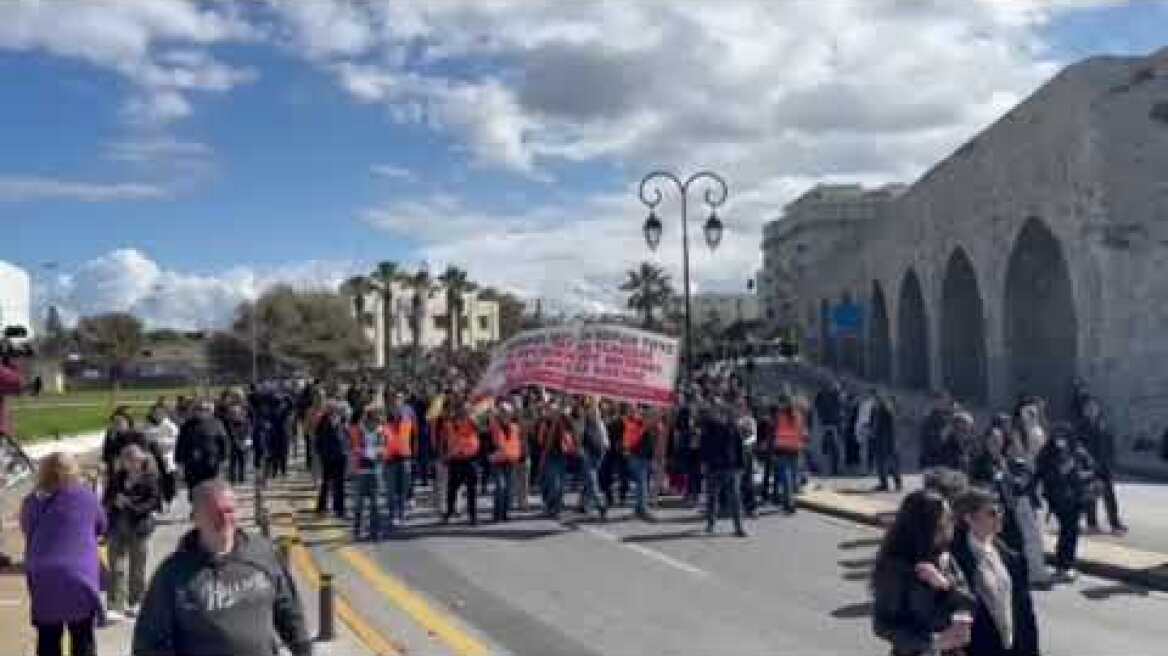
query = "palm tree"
{"x": 649, "y": 288}
{"x": 382, "y": 280}
{"x": 423, "y": 288}
{"x": 357, "y": 287}
{"x": 457, "y": 285}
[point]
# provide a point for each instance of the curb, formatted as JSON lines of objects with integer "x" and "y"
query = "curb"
{"x": 302, "y": 559}
{"x": 1155, "y": 578}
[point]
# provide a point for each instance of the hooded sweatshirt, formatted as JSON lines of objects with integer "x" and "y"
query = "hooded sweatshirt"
{"x": 241, "y": 604}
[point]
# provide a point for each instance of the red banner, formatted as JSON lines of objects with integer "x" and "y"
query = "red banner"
{"x": 605, "y": 360}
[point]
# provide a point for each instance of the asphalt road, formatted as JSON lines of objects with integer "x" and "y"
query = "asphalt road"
{"x": 796, "y": 586}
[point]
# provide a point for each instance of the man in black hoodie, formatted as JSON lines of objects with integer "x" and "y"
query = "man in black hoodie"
{"x": 202, "y": 446}
{"x": 722, "y": 454}
{"x": 222, "y": 592}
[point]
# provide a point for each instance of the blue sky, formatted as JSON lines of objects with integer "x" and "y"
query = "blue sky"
{"x": 213, "y": 148}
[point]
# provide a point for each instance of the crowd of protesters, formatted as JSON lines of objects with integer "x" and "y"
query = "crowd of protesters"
{"x": 963, "y": 553}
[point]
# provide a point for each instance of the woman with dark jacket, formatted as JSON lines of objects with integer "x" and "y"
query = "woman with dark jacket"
{"x": 61, "y": 520}
{"x": 1003, "y": 618}
{"x": 132, "y": 498}
{"x": 921, "y": 602}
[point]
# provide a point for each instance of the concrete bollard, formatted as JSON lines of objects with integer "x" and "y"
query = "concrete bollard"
{"x": 327, "y": 632}
{"x": 265, "y": 522}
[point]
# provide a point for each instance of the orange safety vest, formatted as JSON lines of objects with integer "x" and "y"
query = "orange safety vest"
{"x": 789, "y": 433}
{"x": 507, "y": 443}
{"x": 399, "y": 440}
{"x": 462, "y": 439}
{"x": 357, "y": 444}
{"x": 633, "y": 433}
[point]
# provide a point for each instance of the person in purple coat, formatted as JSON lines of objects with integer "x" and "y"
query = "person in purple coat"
{"x": 61, "y": 520}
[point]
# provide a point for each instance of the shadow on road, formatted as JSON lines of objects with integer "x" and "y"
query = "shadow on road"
{"x": 857, "y": 563}
{"x": 853, "y": 611}
{"x": 1105, "y": 592}
{"x": 860, "y": 544}
{"x": 473, "y": 533}
{"x": 666, "y": 537}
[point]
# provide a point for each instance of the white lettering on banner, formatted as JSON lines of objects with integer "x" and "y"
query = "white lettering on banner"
{"x": 607, "y": 360}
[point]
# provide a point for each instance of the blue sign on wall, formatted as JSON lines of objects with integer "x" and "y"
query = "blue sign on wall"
{"x": 847, "y": 319}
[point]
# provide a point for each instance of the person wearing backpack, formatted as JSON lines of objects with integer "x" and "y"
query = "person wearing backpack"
{"x": 239, "y": 429}
{"x": 202, "y": 445}
{"x": 593, "y": 445}
{"x": 1067, "y": 472}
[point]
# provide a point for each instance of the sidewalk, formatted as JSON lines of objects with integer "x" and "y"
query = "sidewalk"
{"x": 1140, "y": 558}
{"x": 18, "y": 638}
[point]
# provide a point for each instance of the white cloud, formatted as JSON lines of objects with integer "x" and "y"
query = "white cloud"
{"x": 128, "y": 280}
{"x": 775, "y": 96}
{"x": 392, "y": 172}
{"x": 126, "y": 37}
{"x": 151, "y": 150}
{"x": 27, "y": 188}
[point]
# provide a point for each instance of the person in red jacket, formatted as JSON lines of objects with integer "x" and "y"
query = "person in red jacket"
{"x": 11, "y": 383}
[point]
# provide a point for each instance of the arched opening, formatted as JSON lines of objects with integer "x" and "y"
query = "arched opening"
{"x": 912, "y": 334}
{"x": 963, "y": 346}
{"x": 1041, "y": 328}
{"x": 826, "y": 343}
{"x": 848, "y": 340}
{"x": 879, "y": 339}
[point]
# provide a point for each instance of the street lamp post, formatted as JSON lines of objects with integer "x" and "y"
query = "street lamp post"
{"x": 715, "y": 194}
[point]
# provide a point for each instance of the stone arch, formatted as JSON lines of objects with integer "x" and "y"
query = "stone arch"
{"x": 879, "y": 339}
{"x": 826, "y": 344}
{"x": 847, "y": 343}
{"x": 912, "y": 334}
{"x": 1040, "y": 324}
{"x": 963, "y": 338}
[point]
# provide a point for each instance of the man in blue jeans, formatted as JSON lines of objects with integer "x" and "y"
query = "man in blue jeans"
{"x": 593, "y": 434}
{"x": 367, "y": 447}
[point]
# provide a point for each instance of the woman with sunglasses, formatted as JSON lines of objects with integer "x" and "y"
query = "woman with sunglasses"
{"x": 1003, "y": 618}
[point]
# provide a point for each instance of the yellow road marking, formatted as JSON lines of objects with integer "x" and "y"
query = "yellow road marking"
{"x": 433, "y": 620}
{"x": 302, "y": 560}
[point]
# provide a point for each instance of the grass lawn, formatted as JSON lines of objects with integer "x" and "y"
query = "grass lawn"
{"x": 81, "y": 411}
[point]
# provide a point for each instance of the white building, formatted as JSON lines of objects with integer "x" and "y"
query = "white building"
{"x": 479, "y": 320}
{"x": 721, "y": 309}
{"x": 15, "y": 298}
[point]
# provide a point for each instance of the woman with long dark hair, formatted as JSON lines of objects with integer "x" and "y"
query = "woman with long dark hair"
{"x": 921, "y": 603}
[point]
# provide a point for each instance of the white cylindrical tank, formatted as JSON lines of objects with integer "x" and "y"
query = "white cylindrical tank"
{"x": 15, "y": 297}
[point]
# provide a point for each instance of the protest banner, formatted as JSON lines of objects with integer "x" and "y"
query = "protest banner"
{"x": 617, "y": 362}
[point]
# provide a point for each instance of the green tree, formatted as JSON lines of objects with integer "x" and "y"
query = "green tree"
{"x": 116, "y": 339}
{"x": 295, "y": 330}
{"x": 649, "y": 288}
{"x": 511, "y": 312}
{"x": 457, "y": 286}
{"x": 356, "y": 289}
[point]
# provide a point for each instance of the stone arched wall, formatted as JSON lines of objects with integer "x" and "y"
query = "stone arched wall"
{"x": 913, "y": 350}
{"x": 1040, "y": 320}
{"x": 879, "y": 337}
{"x": 962, "y": 339}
